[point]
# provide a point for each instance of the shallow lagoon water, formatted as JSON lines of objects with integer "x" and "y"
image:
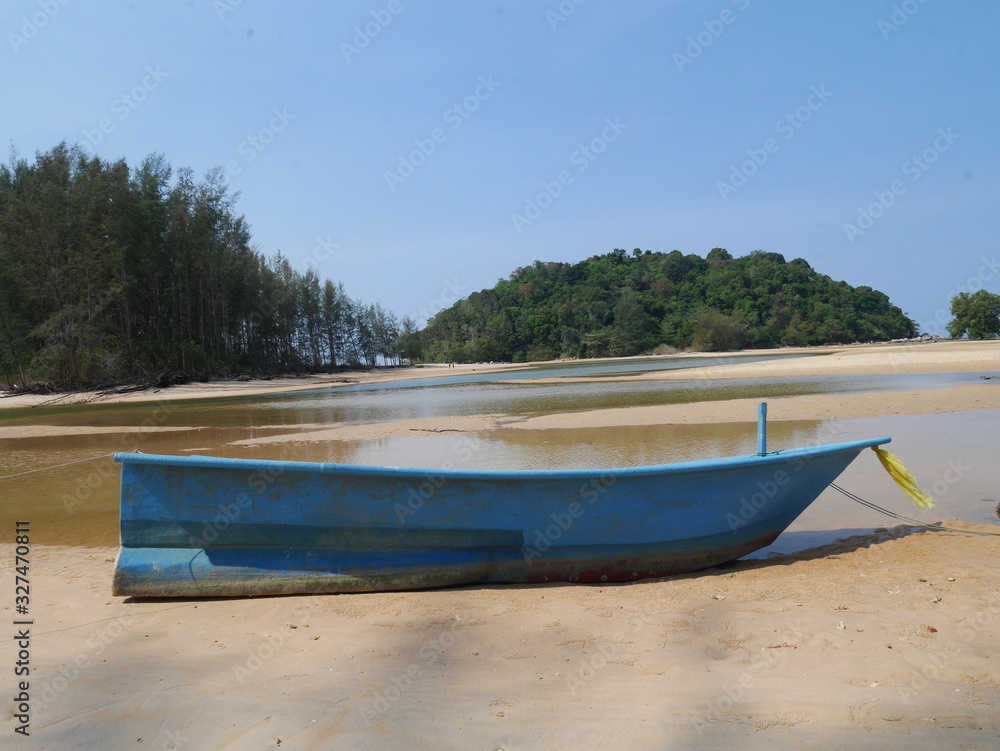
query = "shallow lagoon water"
{"x": 422, "y": 400}
{"x": 78, "y": 505}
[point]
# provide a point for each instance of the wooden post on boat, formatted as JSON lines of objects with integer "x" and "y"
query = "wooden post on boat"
{"x": 762, "y": 428}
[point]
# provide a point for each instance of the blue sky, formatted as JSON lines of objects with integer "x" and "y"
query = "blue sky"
{"x": 440, "y": 145}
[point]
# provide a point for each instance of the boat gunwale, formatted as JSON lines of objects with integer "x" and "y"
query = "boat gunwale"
{"x": 329, "y": 468}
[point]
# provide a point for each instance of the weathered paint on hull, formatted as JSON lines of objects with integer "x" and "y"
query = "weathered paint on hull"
{"x": 201, "y": 526}
{"x": 192, "y": 572}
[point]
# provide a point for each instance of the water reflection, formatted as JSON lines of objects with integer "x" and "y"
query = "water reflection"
{"x": 576, "y": 448}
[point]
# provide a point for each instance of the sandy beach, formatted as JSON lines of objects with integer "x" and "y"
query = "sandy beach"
{"x": 885, "y": 640}
{"x": 254, "y": 387}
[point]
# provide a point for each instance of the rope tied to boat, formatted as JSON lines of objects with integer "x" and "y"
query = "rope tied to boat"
{"x": 908, "y": 520}
{"x": 894, "y": 466}
{"x": 56, "y": 466}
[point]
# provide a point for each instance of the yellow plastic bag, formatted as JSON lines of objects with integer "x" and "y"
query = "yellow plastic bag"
{"x": 903, "y": 478}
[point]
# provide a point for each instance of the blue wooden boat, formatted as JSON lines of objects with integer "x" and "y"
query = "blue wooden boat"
{"x": 204, "y": 526}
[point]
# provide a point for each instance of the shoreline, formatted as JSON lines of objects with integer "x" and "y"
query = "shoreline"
{"x": 851, "y": 359}
{"x": 972, "y": 358}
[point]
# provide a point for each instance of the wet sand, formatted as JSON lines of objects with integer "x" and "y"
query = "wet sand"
{"x": 884, "y": 640}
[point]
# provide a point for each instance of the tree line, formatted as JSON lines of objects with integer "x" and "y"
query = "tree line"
{"x": 619, "y": 304}
{"x": 114, "y": 274}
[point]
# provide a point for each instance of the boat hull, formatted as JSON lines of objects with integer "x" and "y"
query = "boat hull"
{"x": 203, "y": 526}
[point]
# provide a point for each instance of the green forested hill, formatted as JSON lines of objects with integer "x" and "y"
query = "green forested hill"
{"x": 621, "y": 304}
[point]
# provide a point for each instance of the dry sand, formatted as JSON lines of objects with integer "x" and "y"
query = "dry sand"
{"x": 884, "y": 641}
{"x": 913, "y": 357}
